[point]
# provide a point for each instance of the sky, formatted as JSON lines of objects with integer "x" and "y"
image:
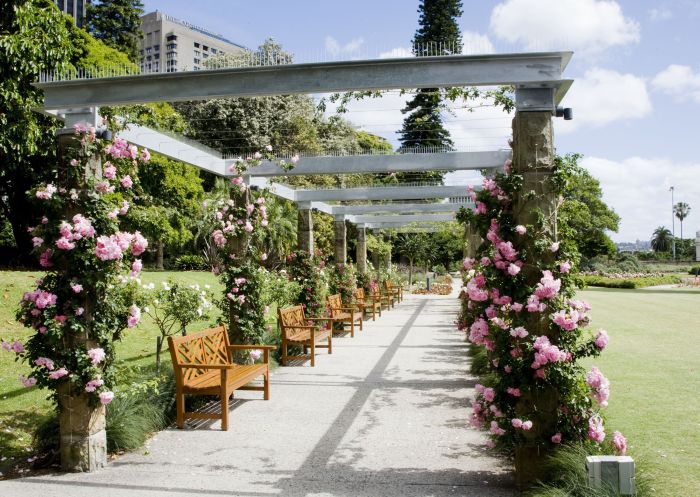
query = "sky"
{"x": 636, "y": 72}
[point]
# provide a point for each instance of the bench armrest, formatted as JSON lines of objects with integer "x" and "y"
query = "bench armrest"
{"x": 318, "y": 319}
{"x": 207, "y": 366}
{"x": 252, "y": 347}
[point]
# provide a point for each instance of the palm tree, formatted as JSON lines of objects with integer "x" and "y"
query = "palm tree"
{"x": 681, "y": 209}
{"x": 414, "y": 247}
{"x": 661, "y": 239}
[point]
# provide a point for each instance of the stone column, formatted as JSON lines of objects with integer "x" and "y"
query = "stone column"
{"x": 386, "y": 263}
{"x": 533, "y": 158}
{"x": 305, "y": 229}
{"x": 472, "y": 240}
{"x": 375, "y": 254}
{"x": 83, "y": 439}
{"x": 341, "y": 245}
{"x": 361, "y": 249}
{"x": 697, "y": 246}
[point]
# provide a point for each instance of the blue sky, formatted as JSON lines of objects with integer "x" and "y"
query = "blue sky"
{"x": 636, "y": 95}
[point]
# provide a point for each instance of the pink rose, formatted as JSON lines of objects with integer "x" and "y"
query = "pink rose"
{"x": 520, "y": 229}
{"x": 565, "y": 267}
{"x": 517, "y": 423}
{"x": 96, "y": 355}
{"x": 255, "y": 354}
{"x": 527, "y": 425}
{"x": 126, "y": 181}
{"x": 556, "y": 438}
{"x": 27, "y": 382}
{"x": 106, "y": 397}
{"x": 620, "y": 443}
{"x": 59, "y": 373}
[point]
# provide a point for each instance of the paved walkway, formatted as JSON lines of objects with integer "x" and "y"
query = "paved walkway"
{"x": 385, "y": 415}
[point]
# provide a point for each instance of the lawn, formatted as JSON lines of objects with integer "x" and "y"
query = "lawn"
{"x": 653, "y": 363}
{"x": 21, "y": 408}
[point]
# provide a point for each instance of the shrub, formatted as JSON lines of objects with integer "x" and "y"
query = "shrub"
{"x": 695, "y": 271}
{"x": 191, "y": 262}
{"x": 307, "y": 271}
{"x": 342, "y": 281}
{"x": 629, "y": 282}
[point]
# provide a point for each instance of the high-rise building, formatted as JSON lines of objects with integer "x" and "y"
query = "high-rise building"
{"x": 74, "y": 8}
{"x": 170, "y": 45}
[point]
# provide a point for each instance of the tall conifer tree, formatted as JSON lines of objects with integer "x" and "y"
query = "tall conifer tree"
{"x": 118, "y": 24}
{"x": 438, "y": 34}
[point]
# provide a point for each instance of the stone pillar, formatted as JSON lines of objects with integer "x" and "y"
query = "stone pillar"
{"x": 361, "y": 249}
{"x": 341, "y": 245}
{"x": 305, "y": 229}
{"x": 533, "y": 158}
{"x": 83, "y": 439}
{"x": 472, "y": 240}
{"x": 375, "y": 255}
{"x": 386, "y": 263}
{"x": 697, "y": 246}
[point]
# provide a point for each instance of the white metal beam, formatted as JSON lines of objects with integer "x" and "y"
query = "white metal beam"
{"x": 400, "y": 208}
{"x": 387, "y": 163}
{"x": 543, "y": 69}
{"x": 380, "y": 193}
{"x": 403, "y": 218}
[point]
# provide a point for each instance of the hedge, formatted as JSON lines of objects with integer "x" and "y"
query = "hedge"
{"x": 641, "y": 282}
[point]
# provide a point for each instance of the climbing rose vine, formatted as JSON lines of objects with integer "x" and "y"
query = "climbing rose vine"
{"x": 532, "y": 335}
{"x": 85, "y": 301}
{"x": 308, "y": 271}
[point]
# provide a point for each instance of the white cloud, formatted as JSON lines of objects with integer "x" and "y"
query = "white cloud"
{"x": 396, "y": 53}
{"x": 476, "y": 43}
{"x": 638, "y": 189}
{"x": 589, "y": 26}
{"x": 603, "y": 96}
{"x": 660, "y": 14}
{"x": 333, "y": 47}
{"x": 679, "y": 81}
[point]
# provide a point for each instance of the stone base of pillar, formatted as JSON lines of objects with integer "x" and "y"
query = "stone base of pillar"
{"x": 82, "y": 431}
{"x": 529, "y": 465}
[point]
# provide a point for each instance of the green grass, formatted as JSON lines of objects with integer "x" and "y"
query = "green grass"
{"x": 641, "y": 282}
{"x": 653, "y": 363}
{"x": 22, "y": 409}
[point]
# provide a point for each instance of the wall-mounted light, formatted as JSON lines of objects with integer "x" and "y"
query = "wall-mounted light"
{"x": 567, "y": 113}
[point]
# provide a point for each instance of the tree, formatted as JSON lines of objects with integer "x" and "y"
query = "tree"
{"x": 118, "y": 24}
{"x": 35, "y": 37}
{"x": 661, "y": 239}
{"x": 681, "y": 210}
{"x": 438, "y": 34}
{"x": 412, "y": 246}
{"x": 584, "y": 217}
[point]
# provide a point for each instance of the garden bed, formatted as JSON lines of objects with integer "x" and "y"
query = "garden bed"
{"x": 629, "y": 281}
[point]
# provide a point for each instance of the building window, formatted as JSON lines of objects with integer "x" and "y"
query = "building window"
{"x": 171, "y": 46}
{"x": 204, "y": 47}
{"x": 206, "y": 55}
{"x": 213, "y": 50}
{"x": 171, "y": 38}
{"x": 148, "y": 50}
{"x": 69, "y": 10}
{"x": 196, "y": 45}
{"x": 197, "y": 61}
{"x": 156, "y": 48}
{"x": 156, "y": 56}
{"x": 197, "y": 53}
{"x": 61, "y": 5}
{"x": 141, "y": 51}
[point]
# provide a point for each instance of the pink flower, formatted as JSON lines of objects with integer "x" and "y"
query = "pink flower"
{"x": 600, "y": 386}
{"x": 110, "y": 171}
{"x": 45, "y": 258}
{"x": 497, "y": 430}
{"x": 248, "y": 226}
{"x": 480, "y": 208}
{"x": 5, "y": 345}
{"x": 516, "y": 307}
{"x": 44, "y": 361}
{"x": 124, "y": 208}
{"x": 241, "y": 299}
{"x": 93, "y": 385}
{"x": 77, "y": 288}
{"x": 136, "y": 267}
{"x": 513, "y": 270}
{"x": 104, "y": 187}
{"x": 140, "y": 244}
{"x": 515, "y": 392}
{"x": 46, "y": 192}
{"x": 106, "y": 397}
{"x": 263, "y": 257}
{"x": 255, "y": 354}
{"x": 65, "y": 244}
{"x": 520, "y": 229}
{"x": 556, "y": 438}
{"x": 126, "y": 182}
{"x": 554, "y": 247}
{"x": 82, "y": 227}
{"x": 565, "y": 267}
{"x": 134, "y": 316}
{"x": 27, "y": 382}
{"x": 107, "y": 248}
{"x": 59, "y": 373}
{"x": 145, "y": 155}
{"x": 620, "y": 443}
{"x": 96, "y": 355}
{"x": 527, "y": 425}
{"x": 567, "y": 322}
{"x": 519, "y": 332}
{"x": 489, "y": 394}
{"x": 596, "y": 431}
{"x": 79, "y": 311}
{"x": 516, "y": 422}
{"x": 602, "y": 339}
{"x": 113, "y": 213}
{"x": 548, "y": 287}
{"x": 36, "y": 241}
{"x": 17, "y": 347}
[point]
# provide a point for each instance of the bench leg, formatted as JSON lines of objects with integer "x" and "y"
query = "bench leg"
{"x": 352, "y": 327}
{"x": 313, "y": 353}
{"x": 330, "y": 343}
{"x": 266, "y": 391}
{"x": 224, "y": 408}
{"x": 360, "y": 321}
{"x": 284, "y": 352}
{"x": 180, "y": 409}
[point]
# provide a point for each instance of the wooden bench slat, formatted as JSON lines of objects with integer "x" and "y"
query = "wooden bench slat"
{"x": 295, "y": 329}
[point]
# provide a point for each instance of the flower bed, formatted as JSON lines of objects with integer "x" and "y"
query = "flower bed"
{"x": 622, "y": 280}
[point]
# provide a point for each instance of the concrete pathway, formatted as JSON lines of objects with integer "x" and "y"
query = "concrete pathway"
{"x": 384, "y": 415}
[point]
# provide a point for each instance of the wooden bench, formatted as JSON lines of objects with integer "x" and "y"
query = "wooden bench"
{"x": 296, "y": 330}
{"x": 383, "y": 299}
{"x": 203, "y": 365}
{"x": 343, "y": 315}
{"x": 364, "y": 304}
{"x": 396, "y": 293}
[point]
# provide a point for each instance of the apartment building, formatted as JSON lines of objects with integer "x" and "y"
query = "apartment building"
{"x": 74, "y": 8}
{"x": 171, "y": 45}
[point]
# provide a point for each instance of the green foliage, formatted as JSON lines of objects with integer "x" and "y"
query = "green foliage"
{"x": 131, "y": 420}
{"x": 118, "y": 24}
{"x": 368, "y": 141}
{"x": 191, "y": 262}
{"x": 305, "y": 269}
{"x": 95, "y": 56}
{"x": 584, "y": 218}
{"x": 342, "y": 281}
{"x": 662, "y": 239}
{"x": 638, "y": 282}
{"x": 695, "y": 271}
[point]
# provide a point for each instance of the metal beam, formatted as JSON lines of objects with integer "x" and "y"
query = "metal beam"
{"x": 523, "y": 69}
{"x": 403, "y": 218}
{"x": 384, "y": 163}
{"x": 376, "y": 226}
{"x": 175, "y": 147}
{"x": 397, "y": 207}
{"x": 380, "y": 193}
